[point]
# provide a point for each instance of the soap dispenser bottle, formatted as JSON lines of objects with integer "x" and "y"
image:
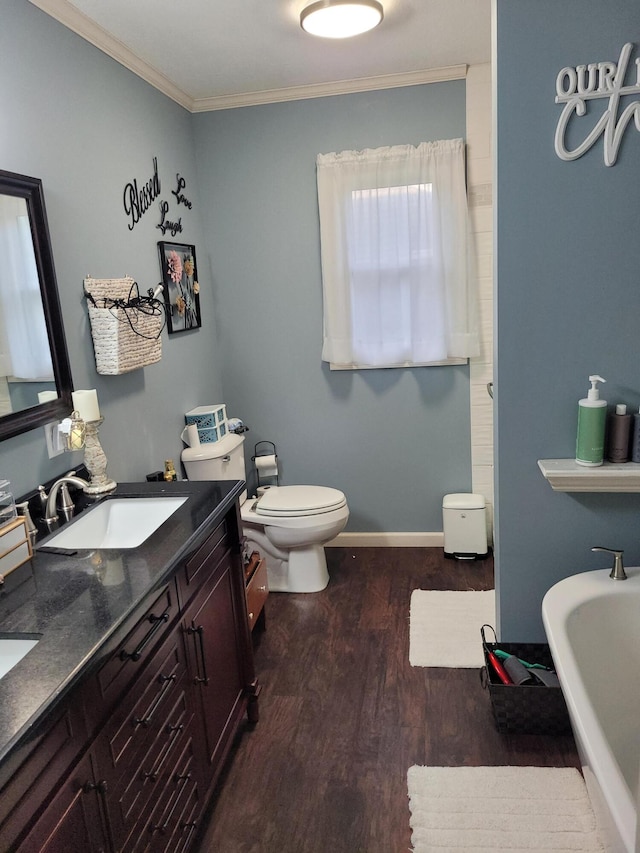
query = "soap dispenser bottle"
{"x": 635, "y": 438}
{"x": 618, "y": 435}
{"x": 592, "y": 421}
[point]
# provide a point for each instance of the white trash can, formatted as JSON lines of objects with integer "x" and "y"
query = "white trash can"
{"x": 464, "y": 522}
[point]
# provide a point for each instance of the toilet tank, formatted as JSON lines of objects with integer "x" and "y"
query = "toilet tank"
{"x": 217, "y": 460}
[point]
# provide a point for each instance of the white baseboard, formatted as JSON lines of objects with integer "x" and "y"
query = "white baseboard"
{"x": 387, "y": 540}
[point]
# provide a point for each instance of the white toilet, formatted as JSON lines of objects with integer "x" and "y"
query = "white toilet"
{"x": 288, "y": 525}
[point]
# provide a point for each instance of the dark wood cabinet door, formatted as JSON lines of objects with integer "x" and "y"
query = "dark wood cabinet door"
{"x": 215, "y": 657}
{"x": 76, "y": 819}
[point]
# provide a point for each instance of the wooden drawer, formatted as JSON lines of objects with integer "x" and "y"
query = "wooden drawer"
{"x": 145, "y": 783}
{"x": 257, "y": 592}
{"x": 136, "y": 649}
{"x": 197, "y": 569}
{"x": 140, "y": 715}
{"x": 46, "y": 761}
{"x": 169, "y": 819}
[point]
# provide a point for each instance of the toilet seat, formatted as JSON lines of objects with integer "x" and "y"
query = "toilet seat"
{"x": 296, "y": 501}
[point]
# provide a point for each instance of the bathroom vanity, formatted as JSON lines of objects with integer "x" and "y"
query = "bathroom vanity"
{"x": 115, "y": 726}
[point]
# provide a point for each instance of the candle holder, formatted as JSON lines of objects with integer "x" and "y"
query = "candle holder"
{"x": 96, "y": 461}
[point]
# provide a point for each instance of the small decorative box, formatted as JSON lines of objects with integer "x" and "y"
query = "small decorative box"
{"x": 7, "y": 503}
{"x": 15, "y": 547}
{"x": 207, "y": 416}
{"x": 210, "y": 420}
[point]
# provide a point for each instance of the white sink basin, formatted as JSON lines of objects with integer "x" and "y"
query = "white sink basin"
{"x": 12, "y": 650}
{"x": 116, "y": 523}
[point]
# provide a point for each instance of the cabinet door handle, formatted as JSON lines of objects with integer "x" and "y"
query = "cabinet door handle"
{"x": 157, "y": 622}
{"x": 166, "y": 681}
{"x": 204, "y": 679}
{"x": 101, "y": 788}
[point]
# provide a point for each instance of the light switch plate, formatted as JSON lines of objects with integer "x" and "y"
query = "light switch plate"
{"x": 55, "y": 442}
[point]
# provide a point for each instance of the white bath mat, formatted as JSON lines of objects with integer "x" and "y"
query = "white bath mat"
{"x": 444, "y": 627}
{"x": 484, "y": 809}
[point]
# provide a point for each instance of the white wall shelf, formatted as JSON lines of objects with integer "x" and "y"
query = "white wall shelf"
{"x": 565, "y": 475}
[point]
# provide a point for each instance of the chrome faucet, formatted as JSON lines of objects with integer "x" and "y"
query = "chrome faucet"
{"x": 617, "y": 572}
{"x": 67, "y": 505}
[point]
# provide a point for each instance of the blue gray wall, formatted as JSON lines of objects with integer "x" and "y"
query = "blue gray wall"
{"x": 395, "y": 441}
{"x": 86, "y": 126}
{"x": 568, "y": 299}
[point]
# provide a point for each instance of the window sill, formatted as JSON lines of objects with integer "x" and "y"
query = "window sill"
{"x": 565, "y": 475}
{"x": 333, "y": 366}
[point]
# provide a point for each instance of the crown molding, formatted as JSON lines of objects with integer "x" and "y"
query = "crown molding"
{"x": 336, "y": 87}
{"x": 72, "y": 18}
{"x": 79, "y": 23}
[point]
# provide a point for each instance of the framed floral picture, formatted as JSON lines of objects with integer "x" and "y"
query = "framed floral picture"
{"x": 180, "y": 285}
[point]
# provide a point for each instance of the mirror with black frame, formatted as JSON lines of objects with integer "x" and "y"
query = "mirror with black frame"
{"x": 35, "y": 376}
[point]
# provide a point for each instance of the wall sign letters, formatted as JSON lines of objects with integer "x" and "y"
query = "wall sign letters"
{"x": 180, "y": 198}
{"x": 597, "y": 81}
{"x": 137, "y": 202}
{"x": 165, "y": 224}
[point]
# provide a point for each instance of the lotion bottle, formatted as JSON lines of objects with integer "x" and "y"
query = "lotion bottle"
{"x": 635, "y": 439}
{"x": 619, "y": 433}
{"x": 592, "y": 421}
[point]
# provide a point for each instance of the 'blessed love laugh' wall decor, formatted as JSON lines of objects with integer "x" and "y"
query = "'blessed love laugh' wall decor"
{"x": 598, "y": 81}
{"x": 138, "y": 200}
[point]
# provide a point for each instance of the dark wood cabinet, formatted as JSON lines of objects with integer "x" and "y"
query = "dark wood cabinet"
{"x": 215, "y": 657}
{"x": 138, "y": 746}
{"x": 77, "y": 816}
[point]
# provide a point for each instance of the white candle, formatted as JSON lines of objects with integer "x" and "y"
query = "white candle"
{"x": 45, "y": 396}
{"x": 86, "y": 404}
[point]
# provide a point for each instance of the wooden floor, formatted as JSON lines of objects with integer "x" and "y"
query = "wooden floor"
{"x": 343, "y": 714}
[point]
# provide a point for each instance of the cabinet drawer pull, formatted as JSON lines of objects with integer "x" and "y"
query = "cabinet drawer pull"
{"x": 162, "y": 827}
{"x": 204, "y": 678}
{"x": 170, "y": 730}
{"x": 166, "y": 681}
{"x": 157, "y": 622}
{"x": 182, "y": 777}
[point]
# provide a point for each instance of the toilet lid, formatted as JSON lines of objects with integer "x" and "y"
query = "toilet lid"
{"x": 299, "y": 500}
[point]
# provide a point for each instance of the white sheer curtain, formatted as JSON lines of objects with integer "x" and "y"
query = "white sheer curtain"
{"x": 396, "y": 275}
{"x": 21, "y": 315}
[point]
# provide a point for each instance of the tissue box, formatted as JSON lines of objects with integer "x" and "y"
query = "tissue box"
{"x": 211, "y": 422}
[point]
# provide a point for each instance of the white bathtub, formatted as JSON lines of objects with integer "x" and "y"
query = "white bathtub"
{"x": 593, "y": 627}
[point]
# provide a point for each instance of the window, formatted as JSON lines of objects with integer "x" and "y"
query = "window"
{"x": 393, "y": 228}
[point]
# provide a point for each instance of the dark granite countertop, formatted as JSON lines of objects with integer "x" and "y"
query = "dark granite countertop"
{"x": 76, "y": 603}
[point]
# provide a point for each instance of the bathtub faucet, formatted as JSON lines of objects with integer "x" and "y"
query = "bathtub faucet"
{"x": 617, "y": 572}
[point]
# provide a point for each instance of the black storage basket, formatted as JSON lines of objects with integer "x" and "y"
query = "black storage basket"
{"x": 525, "y": 708}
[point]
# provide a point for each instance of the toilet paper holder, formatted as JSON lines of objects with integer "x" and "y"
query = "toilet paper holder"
{"x": 265, "y": 460}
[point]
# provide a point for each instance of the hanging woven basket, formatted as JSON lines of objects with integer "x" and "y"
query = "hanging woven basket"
{"x": 126, "y": 329}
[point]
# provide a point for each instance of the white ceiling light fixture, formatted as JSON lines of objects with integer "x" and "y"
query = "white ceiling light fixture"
{"x": 339, "y": 19}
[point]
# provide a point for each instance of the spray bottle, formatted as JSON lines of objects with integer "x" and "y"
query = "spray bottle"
{"x": 592, "y": 419}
